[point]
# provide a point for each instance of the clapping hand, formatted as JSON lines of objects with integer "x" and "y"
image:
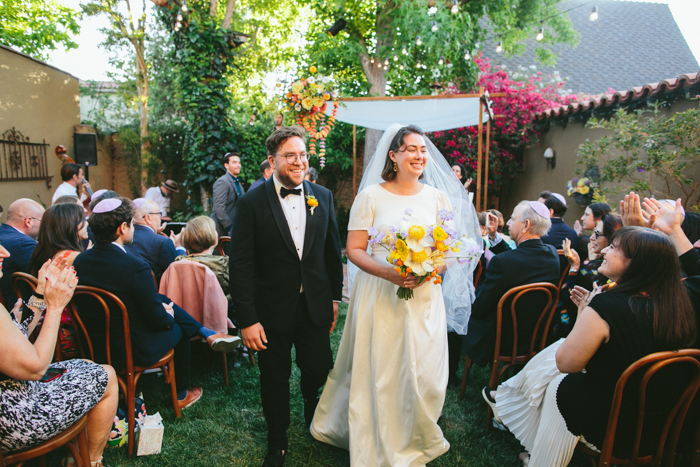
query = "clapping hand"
{"x": 58, "y": 292}
{"x": 582, "y": 297}
{"x": 632, "y": 214}
{"x": 176, "y": 239}
{"x": 591, "y": 254}
{"x": 169, "y": 308}
{"x": 571, "y": 255}
{"x": 50, "y": 271}
{"x": 666, "y": 219}
{"x": 491, "y": 225}
{"x": 468, "y": 183}
{"x": 578, "y": 228}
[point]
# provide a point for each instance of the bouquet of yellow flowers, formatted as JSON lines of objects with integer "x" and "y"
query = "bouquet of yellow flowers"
{"x": 308, "y": 99}
{"x": 581, "y": 189}
{"x": 418, "y": 249}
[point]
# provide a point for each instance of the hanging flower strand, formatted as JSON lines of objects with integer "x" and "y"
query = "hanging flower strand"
{"x": 307, "y": 99}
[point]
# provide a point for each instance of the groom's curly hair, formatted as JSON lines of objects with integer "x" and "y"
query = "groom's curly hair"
{"x": 278, "y": 137}
{"x": 388, "y": 172}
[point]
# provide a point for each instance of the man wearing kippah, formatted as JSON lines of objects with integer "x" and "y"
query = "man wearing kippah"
{"x": 532, "y": 261}
{"x": 156, "y": 324}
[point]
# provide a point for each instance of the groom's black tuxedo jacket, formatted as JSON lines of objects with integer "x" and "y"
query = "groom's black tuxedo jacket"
{"x": 532, "y": 261}
{"x": 265, "y": 270}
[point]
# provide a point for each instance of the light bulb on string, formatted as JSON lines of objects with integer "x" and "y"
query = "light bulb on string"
{"x": 179, "y": 17}
{"x": 403, "y": 50}
{"x": 386, "y": 61}
{"x": 499, "y": 47}
{"x": 467, "y": 57}
{"x": 594, "y": 13}
{"x": 418, "y": 40}
{"x": 379, "y": 63}
{"x": 540, "y": 34}
{"x": 441, "y": 61}
{"x": 455, "y": 7}
{"x": 401, "y": 67}
{"x": 396, "y": 57}
{"x": 184, "y": 7}
{"x": 434, "y": 27}
{"x": 371, "y": 60}
{"x": 386, "y": 67}
{"x": 418, "y": 64}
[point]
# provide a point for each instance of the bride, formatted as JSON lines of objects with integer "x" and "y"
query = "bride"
{"x": 383, "y": 398}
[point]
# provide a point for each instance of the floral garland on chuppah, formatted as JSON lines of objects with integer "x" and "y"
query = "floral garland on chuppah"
{"x": 307, "y": 99}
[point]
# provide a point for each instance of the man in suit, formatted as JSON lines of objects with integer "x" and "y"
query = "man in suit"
{"x": 556, "y": 204}
{"x": 155, "y": 249}
{"x": 532, "y": 261}
{"x": 265, "y": 173}
{"x": 18, "y": 236}
{"x": 155, "y": 323}
{"x": 227, "y": 191}
{"x": 286, "y": 281}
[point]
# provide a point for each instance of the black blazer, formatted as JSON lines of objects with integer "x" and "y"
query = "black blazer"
{"x": 532, "y": 261}
{"x": 156, "y": 250}
{"x": 20, "y": 247}
{"x": 224, "y": 203}
{"x": 128, "y": 277}
{"x": 558, "y": 232}
{"x": 265, "y": 270}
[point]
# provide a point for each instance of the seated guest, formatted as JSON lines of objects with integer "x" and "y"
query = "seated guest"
{"x": 556, "y": 204}
{"x": 156, "y": 324}
{"x": 311, "y": 175}
{"x": 553, "y": 403}
{"x": 156, "y": 250}
{"x": 62, "y": 229}
{"x": 99, "y": 195}
{"x": 87, "y": 242}
{"x": 591, "y": 216}
{"x": 265, "y": 173}
{"x": 18, "y": 237}
{"x": 532, "y": 261}
{"x": 584, "y": 274}
{"x": 199, "y": 238}
{"x": 501, "y": 224}
{"x": 40, "y": 399}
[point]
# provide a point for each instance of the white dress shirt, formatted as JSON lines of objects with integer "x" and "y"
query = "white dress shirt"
{"x": 294, "y": 208}
{"x": 120, "y": 246}
{"x": 66, "y": 189}
{"x": 154, "y": 194}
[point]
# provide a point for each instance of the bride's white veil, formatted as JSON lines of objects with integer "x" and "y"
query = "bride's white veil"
{"x": 458, "y": 285}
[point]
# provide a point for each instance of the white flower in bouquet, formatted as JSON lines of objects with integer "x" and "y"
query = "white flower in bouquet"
{"x": 420, "y": 261}
{"x": 417, "y": 236}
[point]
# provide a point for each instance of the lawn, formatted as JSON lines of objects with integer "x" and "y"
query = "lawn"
{"x": 226, "y": 427}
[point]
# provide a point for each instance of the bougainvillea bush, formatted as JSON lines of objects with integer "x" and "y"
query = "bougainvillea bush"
{"x": 527, "y": 92}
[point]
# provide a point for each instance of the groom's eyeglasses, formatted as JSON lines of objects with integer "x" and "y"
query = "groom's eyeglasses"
{"x": 292, "y": 158}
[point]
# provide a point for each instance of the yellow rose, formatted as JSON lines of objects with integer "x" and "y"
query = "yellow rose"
{"x": 312, "y": 69}
{"x": 307, "y": 103}
{"x": 318, "y": 101}
{"x": 585, "y": 190}
{"x": 297, "y": 87}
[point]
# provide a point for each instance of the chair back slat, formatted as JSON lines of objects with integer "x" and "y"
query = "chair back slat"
{"x": 565, "y": 267}
{"x": 649, "y": 366}
{"x": 477, "y": 273}
{"x": 19, "y": 278}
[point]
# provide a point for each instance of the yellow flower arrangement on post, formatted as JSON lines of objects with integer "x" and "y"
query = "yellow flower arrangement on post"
{"x": 308, "y": 99}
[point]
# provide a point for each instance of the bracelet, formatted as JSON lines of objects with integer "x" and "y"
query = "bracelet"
{"x": 38, "y": 295}
{"x": 573, "y": 271}
{"x": 38, "y": 304}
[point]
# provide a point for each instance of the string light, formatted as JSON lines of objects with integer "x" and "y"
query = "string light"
{"x": 386, "y": 67}
{"x": 379, "y": 63}
{"x": 594, "y": 13}
{"x": 467, "y": 57}
{"x": 434, "y": 28}
{"x": 403, "y": 50}
{"x": 386, "y": 61}
{"x": 441, "y": 61}
{"x": 418, "y": 64}
{"x": 401, "y": 67}
{"x": 540, "y": 34}
{"x": 455, "y": 7}
{"x": 371, "y": 60}
{"x": 179, "y": 17}
{"x": 396, "y": 57}
{"x": 184, "y": 7}
{"x": 499, "y": 47}
{"x": 418, "y": 40}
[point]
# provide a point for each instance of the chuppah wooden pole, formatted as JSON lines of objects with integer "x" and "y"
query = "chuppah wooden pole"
{"x": 478, "y": 150}
{"x": 486, "y": 165}
{"x": 354, "y": 161}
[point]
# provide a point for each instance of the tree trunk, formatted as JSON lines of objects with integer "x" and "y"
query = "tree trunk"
{"x": 212, "y": 7}
{"x": 142, "y": 86}
{"x": 230, "y": 6}
{"x": 204, "y": 198}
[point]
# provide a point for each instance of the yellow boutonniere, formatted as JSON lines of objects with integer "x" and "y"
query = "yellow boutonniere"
{"x": 312, "y": 202}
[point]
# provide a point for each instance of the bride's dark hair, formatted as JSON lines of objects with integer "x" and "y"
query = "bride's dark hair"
{"x": 388, "y": 173}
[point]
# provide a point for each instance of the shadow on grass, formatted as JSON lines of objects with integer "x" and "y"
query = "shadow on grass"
{"x": 227, "y": 428}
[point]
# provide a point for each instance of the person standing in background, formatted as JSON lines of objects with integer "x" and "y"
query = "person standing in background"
{"x": 265, "y": 173}
{"x": 161, "y": 196}
{"x": 227, "y": 190}
{"x": 73, "y": 177}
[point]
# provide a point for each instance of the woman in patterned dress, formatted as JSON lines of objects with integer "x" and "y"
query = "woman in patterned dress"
{"x": 38, "y": 399}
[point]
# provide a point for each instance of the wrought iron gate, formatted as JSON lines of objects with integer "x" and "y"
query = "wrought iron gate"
{"x": 21, "y": 159}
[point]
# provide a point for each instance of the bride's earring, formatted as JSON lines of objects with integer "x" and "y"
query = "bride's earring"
{"x": 395, "y": 167}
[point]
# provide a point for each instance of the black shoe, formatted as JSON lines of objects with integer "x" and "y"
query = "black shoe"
{"x": 309, "y": 410}
{"x": 274, "y": 458}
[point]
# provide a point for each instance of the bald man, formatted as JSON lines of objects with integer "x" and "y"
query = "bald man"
{"x": 18, "y": 236}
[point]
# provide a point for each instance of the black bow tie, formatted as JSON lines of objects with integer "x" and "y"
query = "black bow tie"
{"x": 285, "y": 191}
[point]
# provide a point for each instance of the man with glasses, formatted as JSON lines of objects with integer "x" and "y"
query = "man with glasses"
{"x": 286, "y": 278}
{"x": 227, "y": 190}
{"x": 18, "y": 236}
{"x": 157, "y": 250}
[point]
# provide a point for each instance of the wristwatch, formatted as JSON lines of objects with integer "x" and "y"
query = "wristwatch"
{"x": 36, "y": 303}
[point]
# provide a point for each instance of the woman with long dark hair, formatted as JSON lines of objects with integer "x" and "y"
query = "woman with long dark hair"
{"x": 553, "y": 403}
{"x": 60, "y": 233}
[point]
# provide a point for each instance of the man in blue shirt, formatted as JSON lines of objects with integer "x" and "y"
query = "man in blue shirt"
{"x": 18, "y": 236}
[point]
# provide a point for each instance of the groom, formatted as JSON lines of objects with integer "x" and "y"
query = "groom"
{"x": 286, "y": 279}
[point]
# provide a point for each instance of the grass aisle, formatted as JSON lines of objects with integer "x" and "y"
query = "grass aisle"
{"x": 226, "y": 427}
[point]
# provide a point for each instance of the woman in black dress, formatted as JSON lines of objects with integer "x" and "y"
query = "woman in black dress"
{"x": 552, "y": 404}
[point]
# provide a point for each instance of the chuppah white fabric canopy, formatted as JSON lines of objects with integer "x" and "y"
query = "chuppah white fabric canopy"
{"x": 437, "y": 114}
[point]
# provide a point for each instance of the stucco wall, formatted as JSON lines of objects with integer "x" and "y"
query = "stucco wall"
{"x": 43, "y": 104}
{"x": 564, "y": 140}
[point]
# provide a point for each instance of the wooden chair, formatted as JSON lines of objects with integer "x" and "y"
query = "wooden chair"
{"x": 221, "y": 246}
{"x": 646, "y": 368}
{"x": 80, "y": 454}
{"x": 23, "y": 278}
{"x": 565, "y": 267}
{"x": 477, "y": 273}
{"x": 551, "y": 292}
{"x": 129, "y": 376}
